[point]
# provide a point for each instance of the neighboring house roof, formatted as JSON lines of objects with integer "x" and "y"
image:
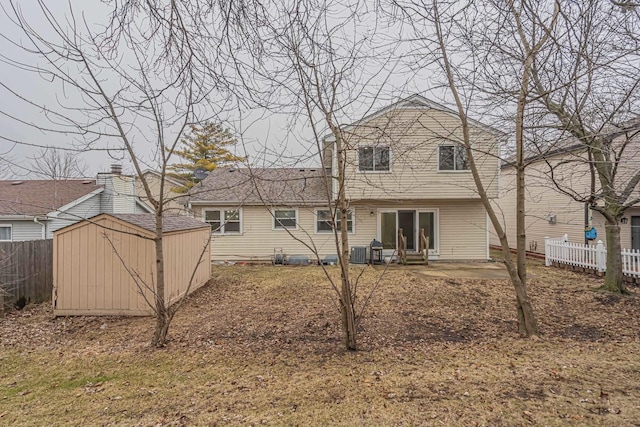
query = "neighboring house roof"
{"x": 286, "y": 186}
{"x": 412, "y": 103}
{"x": 40, "y": 197}
{"x": 169, "y": 223}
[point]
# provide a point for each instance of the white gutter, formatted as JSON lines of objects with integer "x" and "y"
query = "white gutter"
{"x": 44, "y": 227}
{"x": 16, "y": 217}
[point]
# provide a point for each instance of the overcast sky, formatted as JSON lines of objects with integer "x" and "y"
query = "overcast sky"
{"x": 259, "y": 130}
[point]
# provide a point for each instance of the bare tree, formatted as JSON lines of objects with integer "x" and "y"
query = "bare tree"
{"x": 53, "y": 163}
{"x": 586, "y": 86}
{"x": 119, "y": 88}
{"x": 317, "y": 69}
{"x": 323, "y": 63}
{"x": 459, "y": 39}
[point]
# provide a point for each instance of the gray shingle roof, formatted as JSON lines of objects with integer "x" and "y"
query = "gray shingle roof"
{"x": 39, "y": 197}
{"x": 291, "y": 186}
{"x": 169, "y": 223}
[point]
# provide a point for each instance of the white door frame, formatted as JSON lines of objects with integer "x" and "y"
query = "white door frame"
{"x": 433, "y": 253}
{"x": 436, "y": 224}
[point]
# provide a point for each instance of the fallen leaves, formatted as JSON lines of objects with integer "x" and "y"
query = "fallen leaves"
{"x": 258, "y": 339}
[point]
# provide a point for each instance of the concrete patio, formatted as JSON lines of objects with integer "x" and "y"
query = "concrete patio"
{"x": 461, "y": 270}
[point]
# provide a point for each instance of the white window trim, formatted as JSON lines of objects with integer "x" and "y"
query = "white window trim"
{"x": 452, "y": 170}
{"x": 315, "y": 222}
{"x": 221, "y": 231}
{"x": 282, "y": 228}
{"x": 374, "y": 147}
{"x": 10, "y": 227}
{"x": 436, "y": 222}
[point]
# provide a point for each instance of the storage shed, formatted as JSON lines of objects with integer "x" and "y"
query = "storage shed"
{"x": 106, "y": 265}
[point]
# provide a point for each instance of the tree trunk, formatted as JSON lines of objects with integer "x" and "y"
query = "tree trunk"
{"x": 162, "y": 329}
{"x": 348, "y": 317}
{"x": 346, "y": 300}
{"x": 528, "y": 324}
{"x": 163, "y": 318}
{"x": 614, "y": 278}
{"x": 524, "y": 306}
{"x": 521, "y": 236}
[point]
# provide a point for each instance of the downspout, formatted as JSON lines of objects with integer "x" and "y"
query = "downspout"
{"x": 44, "y": 229}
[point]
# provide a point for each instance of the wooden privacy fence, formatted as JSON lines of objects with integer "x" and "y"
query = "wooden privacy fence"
{"x": 26, "y": 272}
{"x": 562, "y": 251}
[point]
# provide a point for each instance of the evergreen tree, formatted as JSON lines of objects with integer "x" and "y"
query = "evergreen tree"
{"x": 205, "y": 147}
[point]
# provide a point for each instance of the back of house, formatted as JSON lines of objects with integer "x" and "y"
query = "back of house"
{"x": 405, "y": 170}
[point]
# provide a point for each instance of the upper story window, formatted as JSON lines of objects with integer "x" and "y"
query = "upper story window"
{"x": 285, "y": 218}
{"x": 5, "y": 233}
{"x": 223, "y": 221}
{"x": 374, "y": 159}
{"x": 324, "y": 224}
{"x": 452, "y": 158}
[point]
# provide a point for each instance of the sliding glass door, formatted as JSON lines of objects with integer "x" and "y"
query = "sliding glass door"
{"x": 427, "y": 221}
{"x": 388, "y": 229}
{"x": 411, "y": 221}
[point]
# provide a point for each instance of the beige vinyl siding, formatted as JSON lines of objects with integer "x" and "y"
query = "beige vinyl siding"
{"x": 90, "y": 278}
{"x": 124, "y": 200}
{"x": 543, "y": 200}
{"x": 414, "y": 136}
{"x": 462, "y": 227}
{"x": 172, "y": 207}
{"x": 119, "y": 193}
{"x": 258, "y": 238}
{"x": 462, "y": 231}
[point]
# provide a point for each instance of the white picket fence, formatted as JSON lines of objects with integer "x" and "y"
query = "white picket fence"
{"x": 562, "y": 251}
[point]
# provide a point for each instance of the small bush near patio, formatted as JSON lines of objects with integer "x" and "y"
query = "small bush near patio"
{"x": 261, "y": 345}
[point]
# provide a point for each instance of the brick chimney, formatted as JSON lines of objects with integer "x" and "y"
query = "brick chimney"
{"x": 116, "y": 169}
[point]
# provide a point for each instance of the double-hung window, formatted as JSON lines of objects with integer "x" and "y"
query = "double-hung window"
{"x": 374, "y": 159}
{"x": 324, "y": 223}
{"x": 223, "y": 221}
{"x": 452, "y": 158}
{"x": 285, "y": 218}
{"x": 5, "y": 233}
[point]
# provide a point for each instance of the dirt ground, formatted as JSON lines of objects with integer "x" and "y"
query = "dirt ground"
{"x": 261, "y": 345}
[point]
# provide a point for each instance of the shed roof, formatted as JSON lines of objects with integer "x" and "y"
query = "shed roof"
{"x": 40, "y": 197}
{"x": 289, "y": 186}
{"x": 170, "y": 223}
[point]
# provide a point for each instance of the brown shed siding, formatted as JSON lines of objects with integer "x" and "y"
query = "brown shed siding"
{"x": 90, "y": 278}
{"x": 181, "y": 253}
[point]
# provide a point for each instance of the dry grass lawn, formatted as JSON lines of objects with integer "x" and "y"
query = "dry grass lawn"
{"x": 261, "y": 345}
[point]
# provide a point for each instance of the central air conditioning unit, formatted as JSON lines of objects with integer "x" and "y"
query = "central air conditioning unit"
{"x": 358, "y": 255}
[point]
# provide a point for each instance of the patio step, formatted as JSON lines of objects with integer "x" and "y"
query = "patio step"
{"x": 415, "y": 258}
